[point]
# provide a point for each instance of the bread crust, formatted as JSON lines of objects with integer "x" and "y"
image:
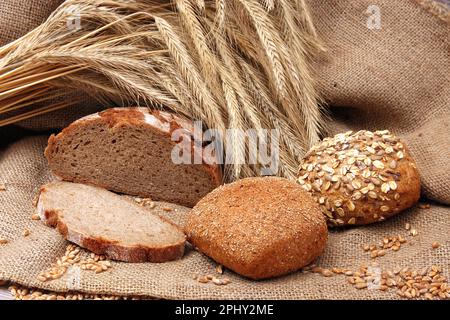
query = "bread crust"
{"x": 258, "y": 227}
{"x": 162, "y": 122}
{"x": 111, "y": 249}
{"x": 392, "y": 186}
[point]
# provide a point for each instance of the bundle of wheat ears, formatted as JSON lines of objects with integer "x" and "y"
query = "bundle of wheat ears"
{"x": 229, "y": 63}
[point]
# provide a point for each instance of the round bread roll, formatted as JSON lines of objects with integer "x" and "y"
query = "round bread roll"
{"x": 360, "y": 178}
{"x": 258, "y": 227}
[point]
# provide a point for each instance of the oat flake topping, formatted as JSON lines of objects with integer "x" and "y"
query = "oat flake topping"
{"x": 360, "y": 166}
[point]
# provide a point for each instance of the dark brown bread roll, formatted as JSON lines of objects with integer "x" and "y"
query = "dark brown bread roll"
{"x": 258, "y": 227}
{"x": 360, "y": 177}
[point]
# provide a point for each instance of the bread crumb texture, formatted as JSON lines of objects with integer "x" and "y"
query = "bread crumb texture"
{"x": 258, "y": 227}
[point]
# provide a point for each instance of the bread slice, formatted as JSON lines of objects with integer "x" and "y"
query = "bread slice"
{"x": 128, "y": 150}
{"x": 108, "y": 224}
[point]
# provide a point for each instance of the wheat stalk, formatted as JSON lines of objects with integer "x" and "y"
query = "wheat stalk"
{"x": 243, "y": 64}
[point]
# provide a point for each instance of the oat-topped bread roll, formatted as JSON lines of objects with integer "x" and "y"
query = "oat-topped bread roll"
{"x": 108, "y": 224}
{"x": 128, "y": 150}
{"x": 360, "y": 177}
{"x": 258, "y": 227}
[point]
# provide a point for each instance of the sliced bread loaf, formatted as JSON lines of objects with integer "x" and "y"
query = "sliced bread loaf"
{"x": 128, "y": 150}
{"x": 106, "y": 223}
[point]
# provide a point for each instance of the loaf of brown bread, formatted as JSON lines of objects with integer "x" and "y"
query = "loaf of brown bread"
{"x": 129, "y": 150}
{"x": 360, "y": 177}
{"x": 109, "y": 224}
{"x": 258, "y": 227}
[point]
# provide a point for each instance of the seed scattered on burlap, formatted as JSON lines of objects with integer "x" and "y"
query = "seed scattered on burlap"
{"x": 3, "y": 241}
{"x": 317, "y": 270}
{"x": 167, "y": 209}
{"x": 2, "y": 187}
{"x": 360, "y": 285}
{"x": 428, "y": 283}
{"x": 330, "y": 272}
{"x": 327, "y": 273}
{"x": 95, "y": 263}
{"x": 22, "y": 293}
{"x": 414, "y": 232}
{"x": 393, "y": 243}
{"x": 215, "y": 280}
{"x": 435, "y": 245}
{"x": 220, "y": 282}
{"x": 203, "y": 279}
{"x": 26, "y": 233}
{"x": 338, "y": 270}
{"x": 72, "y": 256}
{"x": 35, "y": 217}
{"x": 424, "y": 206}
{"x": 407, "y": 226}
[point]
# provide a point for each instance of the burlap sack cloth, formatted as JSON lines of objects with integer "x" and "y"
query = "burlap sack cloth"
{"x": 395, "y": 78}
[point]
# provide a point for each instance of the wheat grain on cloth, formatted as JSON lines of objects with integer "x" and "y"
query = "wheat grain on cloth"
{"x": 394, "y": 76}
